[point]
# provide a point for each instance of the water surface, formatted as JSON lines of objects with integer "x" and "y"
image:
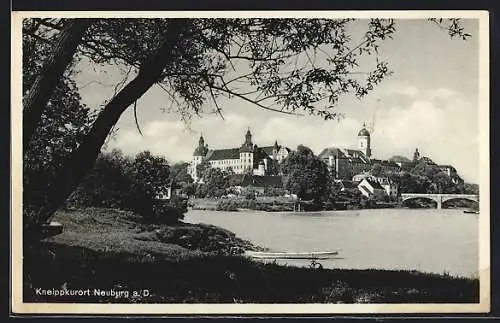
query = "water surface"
{"x": 428, "y": 240}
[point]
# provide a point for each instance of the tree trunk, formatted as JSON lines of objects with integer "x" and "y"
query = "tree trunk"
{"x": 35, "y": 101}
{"x": 85, "y": 156}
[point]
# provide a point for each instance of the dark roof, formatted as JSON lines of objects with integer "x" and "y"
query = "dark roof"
{"x": 260, "y": 154}
{"x": 364, "y": 132}
{"x": 270, "y": 181}
{"x": 374, "y": 184}
{"x": 268, "y": 149}
{"x": 354, "y": 152}
{"x": 427, "y": 160}
{"x": 245, "y": 149}
{"x": 200, "y": 151}
{"x": 331, "y": 151}
{"x": 220, "y": 154}
{"x": 354, "y": 156}
{"x": 385, "y": 162}
{"x": 257, "y": 181}
{"x": 349, "y": 184}
{"x": 400, "y": 159}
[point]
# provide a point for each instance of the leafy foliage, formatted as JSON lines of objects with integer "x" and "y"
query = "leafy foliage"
{"x": 305, "y": 174}
{"x": 202, "y": 168}
{"x": 179, "y": 172}
{"x": 215, "y": 182}
{"x": 118, "y": 181}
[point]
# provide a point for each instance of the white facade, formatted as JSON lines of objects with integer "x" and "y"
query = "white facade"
{"x": 238, "y": 160}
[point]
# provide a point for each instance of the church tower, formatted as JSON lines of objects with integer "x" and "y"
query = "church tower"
{"x": 416, "y": 155}
{"x": 276, "y": 149}
{"x": 246, "y": 153}
{"x": 198, "y": 157}
{"x": 364, "y": 141}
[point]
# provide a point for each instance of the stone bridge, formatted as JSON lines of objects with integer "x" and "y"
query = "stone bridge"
{"x": 439, "y": 198}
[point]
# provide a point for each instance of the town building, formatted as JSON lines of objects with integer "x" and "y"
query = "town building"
{"x": 257, "y": 183}
{"x": 246, "y": 159}
{"x": 372, "y": 189}
{"x": 391, "y": 188}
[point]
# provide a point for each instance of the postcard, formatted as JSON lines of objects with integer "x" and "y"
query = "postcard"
{"x": 251, "y": 162}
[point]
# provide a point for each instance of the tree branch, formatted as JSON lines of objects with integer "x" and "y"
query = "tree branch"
{"x": 253, "y": 101}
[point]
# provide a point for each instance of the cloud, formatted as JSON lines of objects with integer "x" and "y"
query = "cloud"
{"x": 398, "y": 87}
{"x": 447, "y": 133}
{"x": 443, "y": 93}
{"x": 441, "y": 123}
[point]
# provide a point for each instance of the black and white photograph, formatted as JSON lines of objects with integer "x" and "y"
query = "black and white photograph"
{"x": 250, "y": 162}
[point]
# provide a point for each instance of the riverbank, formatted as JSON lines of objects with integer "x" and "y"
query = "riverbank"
{"x": 289, "y": 204}
{"x": 110, "y": 250}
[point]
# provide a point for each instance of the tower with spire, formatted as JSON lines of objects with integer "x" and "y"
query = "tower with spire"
{"x": 198, "y": 156}
{"x": 416, "y": 155}
{"x": 246, "y": 152}
{"x": 364, "y": 143}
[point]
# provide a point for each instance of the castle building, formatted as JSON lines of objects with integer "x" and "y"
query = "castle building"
{"x": 345, "y": 163}
{"x": 246, "y": 159}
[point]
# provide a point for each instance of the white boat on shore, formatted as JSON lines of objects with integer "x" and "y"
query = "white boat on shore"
{"x": 292, "y": 255}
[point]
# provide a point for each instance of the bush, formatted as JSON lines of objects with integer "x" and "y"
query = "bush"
{"x": 250, "y": 195}
{"x": 274, "y": 191}
{"x": 118, "y": 181}
{"x": 227, "y": 205}
{"x": 167, "y": 212}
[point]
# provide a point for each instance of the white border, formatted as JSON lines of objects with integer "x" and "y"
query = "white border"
{"x": 19, "y": 307}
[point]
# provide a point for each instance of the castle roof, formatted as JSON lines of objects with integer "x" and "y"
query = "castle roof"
{"x": 355, "y": 156}
{"x": 245, "y": 149}
{"x": 400, "y": 159}
{"x": 200, "y": 151}
{"x": 269, "y": 149}
{"x": 331, "y": 151}
{"x": 220, "y": 154}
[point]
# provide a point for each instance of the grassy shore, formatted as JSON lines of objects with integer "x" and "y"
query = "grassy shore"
{"x": 111, "y": 250}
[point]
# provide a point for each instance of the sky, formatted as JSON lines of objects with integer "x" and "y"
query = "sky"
{"x": 430, "y": 102}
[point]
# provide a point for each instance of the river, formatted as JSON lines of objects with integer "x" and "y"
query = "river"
{"x": 427, "y": 240}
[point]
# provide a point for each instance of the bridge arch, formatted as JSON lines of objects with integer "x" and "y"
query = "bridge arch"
{"x": 410, "y": 199}
{"x": 465, "y": 197}
{"x": 439, "y": 198}
{"x": 446, "y": 201}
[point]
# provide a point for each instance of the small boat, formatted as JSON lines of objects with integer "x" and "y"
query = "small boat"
{"x": 472, "y": 211}
{"x": 292, "y": 255}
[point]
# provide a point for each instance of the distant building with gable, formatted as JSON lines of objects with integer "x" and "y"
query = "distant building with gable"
{"x": 345, "y": 163}
{"x": 246, "y": 159}
{"x": 372, "y": 188}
